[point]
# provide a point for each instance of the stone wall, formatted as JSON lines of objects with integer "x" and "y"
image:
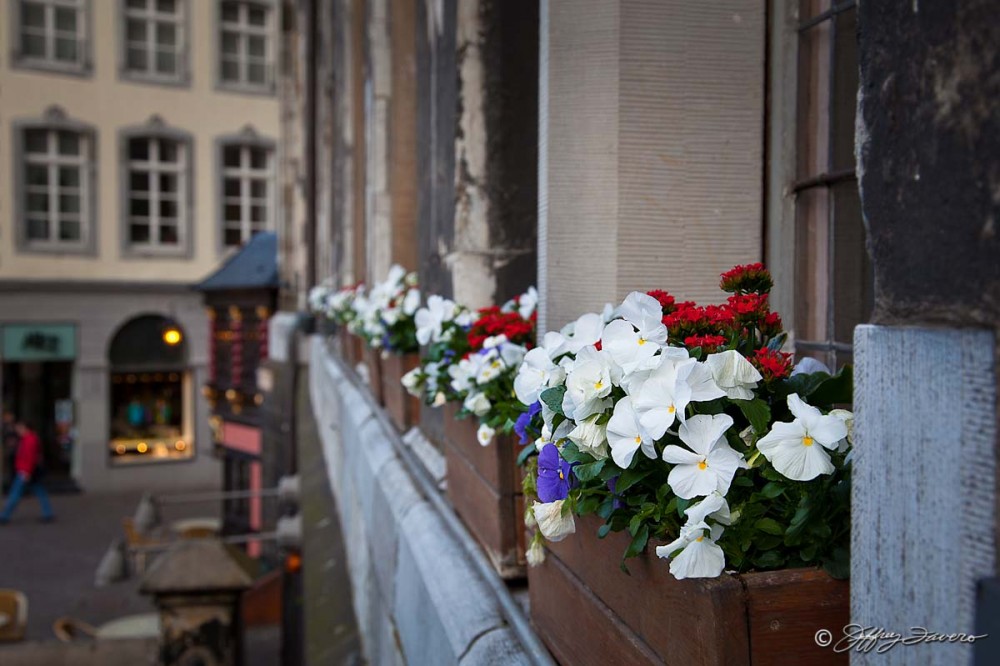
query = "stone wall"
{"x": 419, "y": 597}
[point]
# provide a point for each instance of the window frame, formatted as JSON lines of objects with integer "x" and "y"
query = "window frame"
{"x": 56, "y": 120}
{"x": 84, "y": 63}
{"x": 247, "y": 138}
{"x": 156, "y": 128}
{"x": 183, "y": 76}
{"x": 271, "y": 46}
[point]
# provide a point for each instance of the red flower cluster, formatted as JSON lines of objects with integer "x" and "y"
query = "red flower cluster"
{"x": 665, "y": 299}
{"x": 708, "y": 343}
{"x": 493, "y": 322}
{"x": 772, "y": 364}
{"x": 751, "y": 278}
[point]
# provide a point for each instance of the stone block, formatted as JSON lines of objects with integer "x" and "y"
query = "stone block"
{"x": 499, "y": 647}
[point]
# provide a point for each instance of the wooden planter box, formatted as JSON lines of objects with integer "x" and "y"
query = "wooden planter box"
{"x": 588, "y": 611}
{"x": 403, "y": 408}
{"x": 372, "y": 360}
{"x": 484, "y": 485}
{"x": 351, "y": 348}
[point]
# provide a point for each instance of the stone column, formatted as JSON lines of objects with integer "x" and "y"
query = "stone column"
{"x": 925, "y": 474}
{"x": 650, "y": 142}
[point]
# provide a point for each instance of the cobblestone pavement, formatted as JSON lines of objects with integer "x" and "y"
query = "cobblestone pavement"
{"x": 54, "y": 564}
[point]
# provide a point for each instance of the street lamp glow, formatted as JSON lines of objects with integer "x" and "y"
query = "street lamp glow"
{"x": 172, "y": 336}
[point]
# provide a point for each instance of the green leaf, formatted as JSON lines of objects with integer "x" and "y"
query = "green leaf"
{"x": 570, "y": 453}
{"x": 770, "y": 526}
{"x": 836, "y": 390}
{"x": 804, "y": 384}
{"x": 630, "y": 477}
{"x": 603, "y": 530}
{"x": 588, "y": 471}
{"x": 523, "y": 456}
{"x": 838, "y": 564}
{"x": 757, "y": 413}
{"x": 772, "y": 490}
{"x": 553, "y": 398}
{"x": 604, "y": 511}
{"x": 770, "y": 560}
{"x": 638, "y": 543}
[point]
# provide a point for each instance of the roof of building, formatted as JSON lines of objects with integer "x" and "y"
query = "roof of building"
{"x": 255, "y": 266}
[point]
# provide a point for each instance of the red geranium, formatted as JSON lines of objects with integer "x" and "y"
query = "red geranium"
{"x": 772, "y": 364}
{"x": 492, "y": 322}
{"x": 750, "y": 278}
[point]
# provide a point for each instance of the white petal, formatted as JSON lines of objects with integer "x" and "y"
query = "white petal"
{"x": 700, "y": 432}
{"x": 551, "y": 523}
{"x": 799, "y": 462}
{"x": 677, "y": 455}
{"x": 828, "y": 431}
{"x": 700, "y": 559}
{"x": 690, "y": 481}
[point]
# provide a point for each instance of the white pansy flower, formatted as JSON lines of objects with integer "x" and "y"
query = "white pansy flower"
{"x": 535, "y": 554}
{"x": 485, "y": 434}
{"x": 848, "y": 418}
{"x": 627, "y": 346}
{"x": 527, "y": 302}
{"x": 411, "y": 382}
{"x": 714, "y": 506}
{"x": 551, "y": 523}
{"x": 587, "y": 389}
{"x": 533, "y": 375}
{"x": 734, "y": 374}
{"x": 792, "y": 447}
{"x": 666, "y": 393}
{"x": 808, "y": 365}
{"x": 512, "y": 354}
{"x": 439, "y": 399}
{"x": 396, "y": 275}
{"x": 710, "y": 464}
{"x": 699, "y": 556}
{"x": 489, "y": 367}
{"x": 554, "y": 344}
{"x": 430, "y": 319}
{"x": 584, "y": 332}
{"x": 646, "y": 314}
{"x": 477, "y": 403}
{"x": 626, "y": 436}
{"x": 590, "y": 437}
{"x": 494, "y": 341}
{"x": 411, "y": 302}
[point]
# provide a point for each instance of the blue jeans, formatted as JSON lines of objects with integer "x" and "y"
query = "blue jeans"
{"x": 17, "y": 492}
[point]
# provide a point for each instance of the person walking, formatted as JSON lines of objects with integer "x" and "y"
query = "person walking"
{"x": 27, "y": 465}
{"x": 10, "y": 440}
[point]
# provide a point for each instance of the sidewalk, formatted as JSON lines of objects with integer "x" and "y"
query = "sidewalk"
{"x": 54, "y": 564}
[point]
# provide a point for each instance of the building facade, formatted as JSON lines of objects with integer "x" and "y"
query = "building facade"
{"x": 138, "y": 149}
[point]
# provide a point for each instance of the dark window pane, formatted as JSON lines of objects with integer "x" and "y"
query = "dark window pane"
{"x": 258, "y": 213}
{"x": 168, "y": 234}
{"x": 230, "y": 43}
{"x": 36, "y": 175}
{"x": 845, "y": 90}
{"x": 138, "y": 207}
{"x": 166, "y": 6}
{"x": 258, "y": 189}
{"x": 37, "y": 202}
{"x": 812, "y": 266}
{"x": 232, "y": 212}
{"x": 69, "y": 177}
{"x": 137, "y": 4}
{"x": 136, "y": 30}
{"x": 32, "y": 15}
{"x": 138, "y": 149}
{"x": 255, "y": 46}
{"x": 166, "y": 62}
{"x": 36, "y": 141}
{"x": 139, "y": 232}
{"x": 853, "y": 281}
{"x": 69, "y": 230}
{"x": 231, "y": 156}
{"x": 258, "y": 158}
{"x": 65, "y": 19}
{"x": 230, "y": 71}
{"x": 256, "y": 15}
{"x": 66, "y": 49}
{"x": 136, "y": 59}
{"x": 256, "y": 73}
{"x": 233, "y": 237}
{"x": 230, "y": 11}
{"x": 168, "y": 183}
{"x": 168, "y": 208}
{"x": 166, "y": 34}
{"x": 168, "y": 150}
{"x": 813, "y": 124}
{"x": 69, "y": 203}
{"x": 139, "y": 181}
{"x": 33, "y": 46}
{"x": 232, "y": 187}
{"x": 69, "y": 143}
{"x": 38, "y": 228}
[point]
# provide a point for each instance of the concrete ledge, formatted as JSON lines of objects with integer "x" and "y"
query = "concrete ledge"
{"x": 924, "y": 489}
{"x": 418, "y": 596}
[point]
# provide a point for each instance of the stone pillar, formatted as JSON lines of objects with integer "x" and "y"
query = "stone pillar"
{"x": 650, "y": 147}
{"x": 928, "y": 139}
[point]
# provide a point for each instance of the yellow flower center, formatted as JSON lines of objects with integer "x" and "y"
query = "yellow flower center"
{"x": 638, "y": 439}
{"x": 703, "y": 465}
{"x": 561, "y": 475}
{"x": 598, "y": 385}
{"x": 495, "y": 364}
{"x": 700, "y": 538}
{"x": 671, "y": 409}
{"x": 807, "y": 441}
{"x": 642, "y": 341}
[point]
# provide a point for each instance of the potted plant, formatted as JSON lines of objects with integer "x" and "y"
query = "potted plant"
{"x": 680, "y": 433}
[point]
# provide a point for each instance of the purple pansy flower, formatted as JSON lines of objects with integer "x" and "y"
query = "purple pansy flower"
{"x": 617, "y": 503}
{"x": 554, "y": 475}
{"x": 524, "y": 420}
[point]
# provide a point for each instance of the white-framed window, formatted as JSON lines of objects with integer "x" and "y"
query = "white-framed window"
{"x": 157, "y": 192}
{"x": 247, "y": 190}
{"x": 51, "y": 34}
{"x": 154, "y": 39}
{"x": 246, "y": 44}
{"x": 57, "y": 187}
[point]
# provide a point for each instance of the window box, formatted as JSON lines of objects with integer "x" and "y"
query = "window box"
{"x": 351, "y": 348}
{"x": 587, "y": 610}
{"x": 484, "y": 485}
{"x": 372, "y": 362}
{"x": 403, "y": 408}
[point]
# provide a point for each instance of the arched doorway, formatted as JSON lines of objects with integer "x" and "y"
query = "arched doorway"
{"x": 151, "y": 408}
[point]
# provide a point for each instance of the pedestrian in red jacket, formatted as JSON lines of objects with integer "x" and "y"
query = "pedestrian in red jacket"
{"x": 27, "y": 464}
